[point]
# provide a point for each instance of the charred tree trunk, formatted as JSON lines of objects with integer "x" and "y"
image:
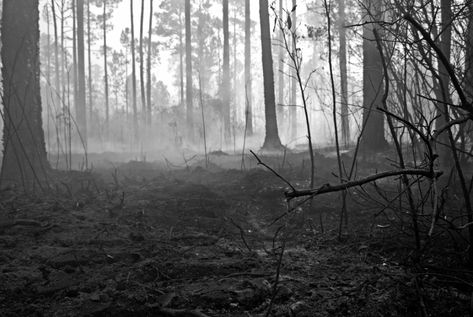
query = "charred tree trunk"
{"x": 63, "y": 60}
{"x": 248, "y": 81}
{"x": 74, "y": 57}
{"x": 226, "y": 74}
{"x": 272, "y": 141}
{"x": 24, "y": 152}
{"x": 181, "y": 59}
{"x": 281, "y": 51}
{"x": 373, "y": 120}
{"x": 133, "y": 74}
{"x": 89, "y": 58}
{"x": 293, "y": 106}
{"x": 57, "y": 87}
{"x": 81, "y": 105}
{"x": 443, "y": 94}
{"x": 148, "y": 66}
{"x": 343, "y": 75}
{"x": 48, "y": 79}
{"x": 189, "y": 90}
{"x": 468, "y": 86}
{"x": 142, "y": 64}
{"x": 105, "y": 66}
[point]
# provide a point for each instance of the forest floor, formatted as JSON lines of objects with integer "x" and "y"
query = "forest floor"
{"x": 149, "y": 239}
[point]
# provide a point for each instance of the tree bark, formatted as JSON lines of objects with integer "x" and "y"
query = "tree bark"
{"x": 343, "y": 74}
{"x": 148, "y": 68}
{"x": 89, "y": 57}
{"x": 48, "y": 79}
{"x": 248, "y": 81}
{"x": 105, "y": 66}
{"x": 56, "y": 54}
{"x": 63, "y": 60}
{"x": 181, "y": 59}
{"x": 142, "y": 64}
{"x": 293, "y": 109}
{"x": 281, "y": 51}
{"x": 272, "y": 141}
{"x": 24, "y": 152}
{"x": 468, "y": 86}
{"x": 443, "y": 94}
{"x": 373, "y": 120}
{"x": 74, "y": 57}
{"x": 57, "y": 89}
{"x": 81, "y": 105}
{"x": 189, "y": 90}
{"x": 133, "y": 74}
{"x": 226, "y": 74}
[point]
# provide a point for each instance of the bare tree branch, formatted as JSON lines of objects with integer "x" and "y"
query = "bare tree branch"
{"x": 327, "y": 188}
{"x": 464, "y": 103}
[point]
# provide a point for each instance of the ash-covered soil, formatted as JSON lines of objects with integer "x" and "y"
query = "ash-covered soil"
{"x": 149, "y": 239}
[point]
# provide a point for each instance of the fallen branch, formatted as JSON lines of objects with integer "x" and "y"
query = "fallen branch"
{"x": 22, "y": 222}
{"x": 169, "y": 312}
{"x": 327, "y": 188}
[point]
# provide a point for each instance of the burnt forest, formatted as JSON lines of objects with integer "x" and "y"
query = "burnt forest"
{"x": 206, "y": 158}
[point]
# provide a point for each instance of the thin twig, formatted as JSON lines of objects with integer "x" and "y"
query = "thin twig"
{"x": 260, "y": 162}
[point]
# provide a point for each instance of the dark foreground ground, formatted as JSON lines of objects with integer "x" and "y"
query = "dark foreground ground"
{"x": 145, "y": 239}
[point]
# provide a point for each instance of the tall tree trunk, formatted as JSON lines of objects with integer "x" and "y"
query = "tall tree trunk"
{"x": 142, "y": 64}
{"x": 126, "y": 87}
{"x": 189, "y": 92}
{"x": 89, "y": 57}
{"x": 181, "y": 59}
{"x": 133, "y": 73}
{"x": 24, "y": 151}
{"x": 469, "y": 94}
{"x": 63, "y": 58}
{"x": 293, "y": 107}
{"x": 233, "y": 117}
{"x": 468, "y": 86}
{"x": 48, "y": 79}
{"x": 56, "y": 54}
{"x": 444, "y": 94}
{"x": 279, "y": 106}
{"x": 74, "y": 56}
{"x": 272, "y": 141}
{"x": 81, "y": 104}
{"x": 200, "y": 47}
{"x": 248, "y": 81}
{"x": 57, "y": 87}
{"x": 226, "y": 74}
{"x": 343, "y": 74}
{"x": 105, "y": 68}
{"x": 65, "y": 101}
{"x": 148, "y": 68}
{"x": 373, "y": 120}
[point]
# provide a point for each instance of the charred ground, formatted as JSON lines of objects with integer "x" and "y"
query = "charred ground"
{"x": 149, "y": 239}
